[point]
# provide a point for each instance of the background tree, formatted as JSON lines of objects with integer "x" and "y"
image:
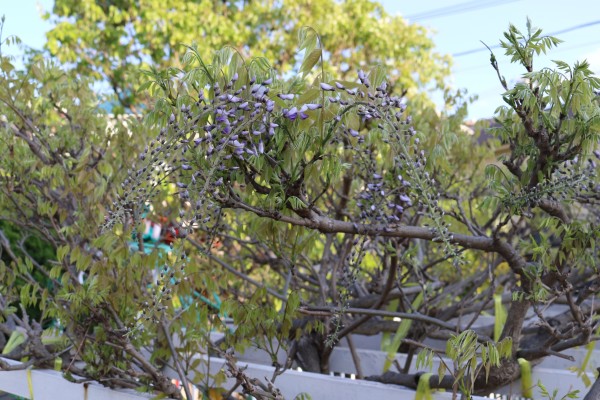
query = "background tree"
{"x": 111, "y": 40}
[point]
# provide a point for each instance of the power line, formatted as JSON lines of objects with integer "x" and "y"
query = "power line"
{"x": 457, "y": 8}
{"x": 558, "y": 51}
{"x": 497, "y": 46}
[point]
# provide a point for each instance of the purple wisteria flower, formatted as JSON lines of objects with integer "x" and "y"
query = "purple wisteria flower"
{"x": 233, "y": 99}
{"x": 313, "y": 106}
{"x": 291, "y": 114}
{"x": 363, "y": 78}
{"x": 272, "y": 127}
{"x": 327, "y": 87}
{"x": 270, "y": 105}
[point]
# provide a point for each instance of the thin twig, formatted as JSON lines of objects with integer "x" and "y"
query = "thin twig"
{"x": 355, "y": 357}
{"x": 180, "y": 372}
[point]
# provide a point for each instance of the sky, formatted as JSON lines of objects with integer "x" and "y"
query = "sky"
{"x": 456, "y": 26}
{"x": 486, "y": 20}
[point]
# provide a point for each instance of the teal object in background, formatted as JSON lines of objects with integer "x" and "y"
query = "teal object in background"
{"x": 186, "y": 301}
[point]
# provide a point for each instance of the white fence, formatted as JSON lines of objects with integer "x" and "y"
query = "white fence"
{"x": 553, "y": 372}
{"x": 50, "y": 385}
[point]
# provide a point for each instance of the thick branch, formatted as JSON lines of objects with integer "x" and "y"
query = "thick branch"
{"x": 594, "y": 393}
{"x": 328, "y": 311}
{"x": 324, "y": 224}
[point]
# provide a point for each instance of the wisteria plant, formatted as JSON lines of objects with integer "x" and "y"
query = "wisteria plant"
{"x": 323, "y": 195}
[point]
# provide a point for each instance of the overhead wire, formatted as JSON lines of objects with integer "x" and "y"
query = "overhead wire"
{"x": 457, "y": 8}
{"x": 479, "y": 4}
{"x": 497, "y": 46}
{"x": 560, "y": 50}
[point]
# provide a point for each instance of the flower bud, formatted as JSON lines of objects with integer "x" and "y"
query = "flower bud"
{"x": 327, "y": 87}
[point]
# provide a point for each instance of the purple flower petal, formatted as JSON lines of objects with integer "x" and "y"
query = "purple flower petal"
{"x": 313, "y": 106}
{"x": 404, "y": 198}
{"x": 286, "y": 96}
{"x": 327, "y": 87}
{"x": 361, "y": 75}
{"x": 270, "y": 105}
{"x": 291, "y": 114}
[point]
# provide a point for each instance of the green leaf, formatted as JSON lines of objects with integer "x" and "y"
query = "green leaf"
{"x": 499, "y": 316}
{"x": 423, "y": 389}
{"x": 401, "y": 333}
{"x": 441, "y": 371}
{"x": 16, "y": 339}
{"x": 377, "y": 75}
{"x": 310, "y": 61}
{"x": 61, "y": 252}
{"x": 526, "y": 378}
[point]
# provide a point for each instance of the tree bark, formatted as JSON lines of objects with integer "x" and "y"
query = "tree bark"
{"x": 594, "y": 393}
